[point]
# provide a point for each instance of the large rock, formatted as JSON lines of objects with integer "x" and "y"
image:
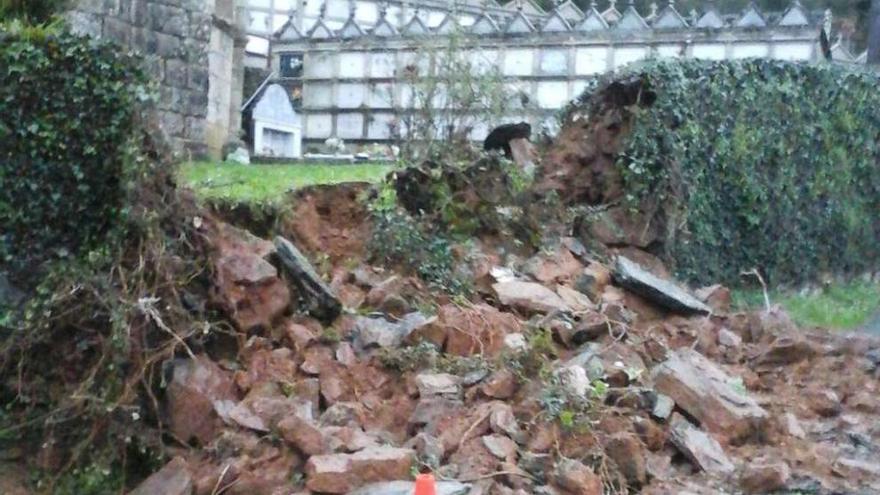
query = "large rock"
{"x": 304, "y": 434}
{"x": 321, "y": 301}
{"x": 700, "y": 448}
{"x": 434, "y": 384}
{"x": 374, "y": 464}
{"x": 408, "y": 487}
{"x": 529, "y": 297}
{"x": 704, "y": 390}
{"x": 576, "y": 478}
{"x": 657, "y": 290}
{"x": 332, "y": 473}
{"x": 246, "y": 286}
{"x": 173, "y": 479}
{"x": 765, "y": 476}
{"x": 560, "y": 266}
{"x": 629, "y": 454}
{"x": 618, "y": 226}
{"x": 464, "y": 331}
{"x": 379, "y": 332}
{"x": 196, "y": 387}
{"x": 342, "y": 473}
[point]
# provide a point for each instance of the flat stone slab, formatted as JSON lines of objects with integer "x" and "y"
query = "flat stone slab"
{"x": 322, "y": 301}
{"x": 529, "y": 296}
{"x": 663, "y": 293}
{"x": 705, "y": 391}
{"x": 700, "y": 448}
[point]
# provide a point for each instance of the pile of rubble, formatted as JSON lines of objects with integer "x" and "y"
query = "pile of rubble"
{"x": 560, "y": 375}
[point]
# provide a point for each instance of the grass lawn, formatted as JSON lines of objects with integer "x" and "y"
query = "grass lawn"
{"x": 268, "y": 183}
{"x": 839, "y": 307}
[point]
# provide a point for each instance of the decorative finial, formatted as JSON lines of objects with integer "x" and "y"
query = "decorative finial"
{"x": 654, "y": 9}
{"x": 593, "y": 4}
{"x": 632, "y": 3}
{"x": 352, "y": 8}
{"x": 612, "y": 4}
{"x": 383, "y": 10}
{"x": 519, "y": 5}
{"x": 671, "y": 4}
{"x": 323, "y": 10}
{"x": 695, "y": 16}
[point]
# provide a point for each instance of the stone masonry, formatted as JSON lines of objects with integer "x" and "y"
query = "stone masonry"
{"x": 190, "y": 48}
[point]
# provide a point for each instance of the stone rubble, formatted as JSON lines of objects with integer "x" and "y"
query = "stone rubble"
{"x": 682, "y": 398}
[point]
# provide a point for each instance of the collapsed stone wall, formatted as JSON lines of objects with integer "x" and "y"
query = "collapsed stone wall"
{"x": 192, "y": 49}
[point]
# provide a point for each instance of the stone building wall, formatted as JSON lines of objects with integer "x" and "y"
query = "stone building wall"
{"x": 189, "y": 48}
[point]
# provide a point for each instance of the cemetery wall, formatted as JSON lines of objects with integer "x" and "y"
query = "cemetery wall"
{"x": 352, "y": 80}
{"x": 190, "y": 50}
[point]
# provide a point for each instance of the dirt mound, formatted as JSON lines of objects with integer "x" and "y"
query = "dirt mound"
{"x": 330, "y": 221}
{"x": 560, "y": 381}
{"x": 580, "y": 164}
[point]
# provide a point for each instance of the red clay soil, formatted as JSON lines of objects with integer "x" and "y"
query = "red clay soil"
{"x": 580, "y": 163}
{"x": 794, "y": 410}
{"x": 329, "y": 220}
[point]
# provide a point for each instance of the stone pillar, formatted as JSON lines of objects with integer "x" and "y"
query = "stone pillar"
{"x": 226, "y": 75}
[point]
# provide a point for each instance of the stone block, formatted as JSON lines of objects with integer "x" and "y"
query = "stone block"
{"x": 195, "y": 128}
{"x": 704, "y": 391}
{"x": 197, "y": 104}
{"x": 167, "y": 19}
{"x": 118, "y": 31}
{"x": 163, "y": 45}
{"x": 154, "y": 67}
{"x": 198, "y": 78}
{"x": 200, "y": 27}
{"x": 176, "y": 73}
{"x": 138, "y": 14}
{"x": 172, "y": 123}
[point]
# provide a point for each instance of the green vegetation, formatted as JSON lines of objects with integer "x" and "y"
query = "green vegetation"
{"x": 95, "y": 236}
{"x": 839, "y": 306}
{"x": 34, "y": 11}
{"x": 49, "y": 144}
{"x": 268, "y": 183}
{"x": 759, "y": 164}
{"x": 399, "y": 240}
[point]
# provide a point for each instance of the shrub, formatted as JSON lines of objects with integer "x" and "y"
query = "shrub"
{"x": 67, "y": 108}
{"x": 30, "y": 10}
{"x": 761, "y": 164}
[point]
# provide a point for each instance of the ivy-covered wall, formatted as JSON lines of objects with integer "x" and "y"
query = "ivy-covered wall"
{"x": 760, "y": 164}
{"x": 67, "y": 115}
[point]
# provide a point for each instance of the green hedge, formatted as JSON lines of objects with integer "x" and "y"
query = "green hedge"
{"x": 67, "y": 108}
{"x": 760, "y": 164}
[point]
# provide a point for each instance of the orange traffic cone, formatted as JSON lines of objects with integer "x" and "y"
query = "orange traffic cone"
{"x": 425, "y": 485}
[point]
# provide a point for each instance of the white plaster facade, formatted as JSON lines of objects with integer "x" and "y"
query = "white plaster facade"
{"x": 352, "y": 78}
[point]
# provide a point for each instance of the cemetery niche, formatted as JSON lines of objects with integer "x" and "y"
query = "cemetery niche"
{"x": 277, "y": 128}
